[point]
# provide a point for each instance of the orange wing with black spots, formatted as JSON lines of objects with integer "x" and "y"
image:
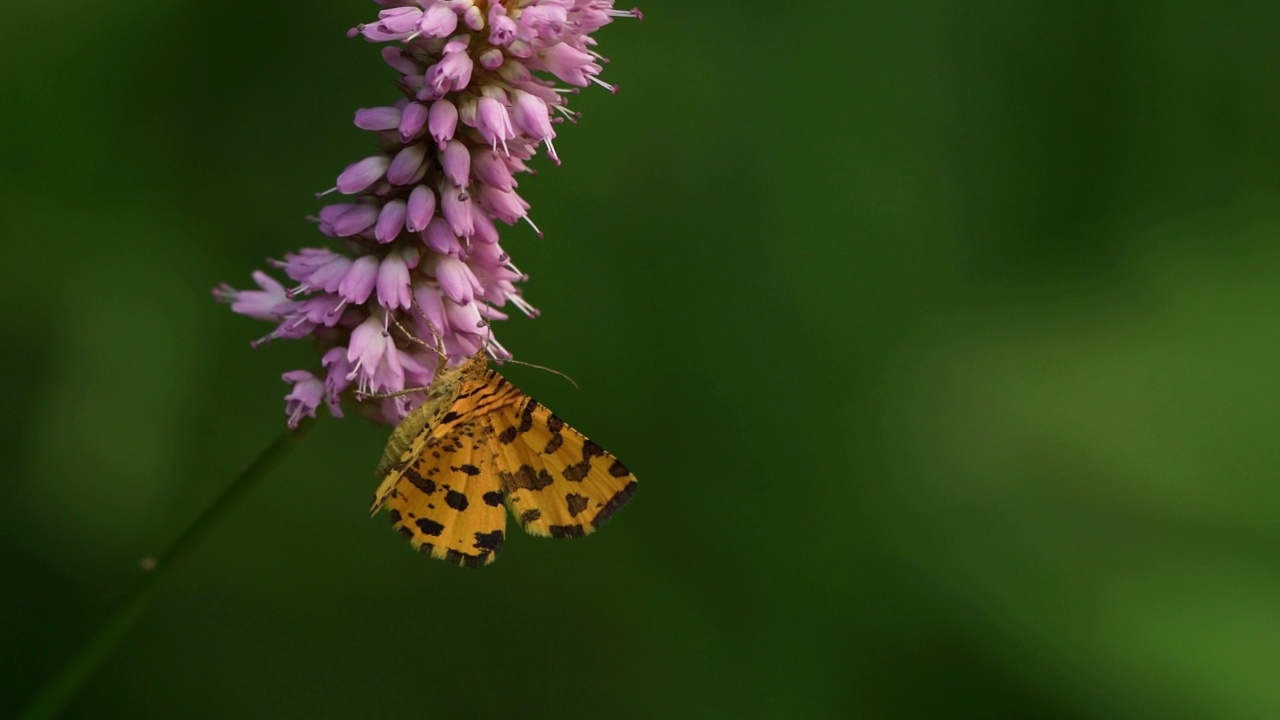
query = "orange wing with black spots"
{"x": 558, "y": 483}
{"x": 448, "y": 501}
{"x": 476, "y": 442}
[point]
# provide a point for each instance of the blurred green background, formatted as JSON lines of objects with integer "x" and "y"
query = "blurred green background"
{"x": 942, "y": 337}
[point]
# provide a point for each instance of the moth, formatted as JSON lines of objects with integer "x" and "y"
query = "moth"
{"x": 478, "y": 446}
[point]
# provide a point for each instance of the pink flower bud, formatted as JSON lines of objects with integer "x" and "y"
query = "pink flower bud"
{"x": 491, "y": 169}
{"x": 531, "y": 115}
{"x": 390, "y": 221}
{"x": 357, "y": 285}
{"x": 455, "y": 162}
{"x": 358, "y": 176}
{"x": 407, "y": 167}
{"x": 493, "y": 122}
{"x": 393, "y": 282}
{"x": 438, "y": 21}
{"x": 442, "y": 121}
{"x": 377, "y": 119}
{"x": 411, "y": 121}
{"x": 356, "y": 220}
{"x": 440, "y": 237}
{"x": 455, "y": 205}
{"x": 422, "y": 207}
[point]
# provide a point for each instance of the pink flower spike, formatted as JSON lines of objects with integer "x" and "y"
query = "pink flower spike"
{"x": 422, "y": 207}
{"x": 514, "y": 72}
{"x": 357, "y": 285}
{"x": 567, "y": 63}
{"x": 491, "y": 59}
{"x": 356, "y": 220}
{"x": 335, "y": 381}
{"x": 473, "y": 18}
{"x": 493, "y": 123}
{"x": 491, "y": 169}
{"x": 465, "y": 318}
{"x": 378, "y": 118}
{"x": 328, "y": 275}
{"x": 506, "y": 206}
{"x": 453, "y": 72}
{"x": 544, "y": 20}
{"x": 442, "y": 121}
{"x": 456, "y": 281}
{"x": 390, "y": 221}
{"x": 438, "y": 21}
{"x": 393, "y": 282}
{"x": 398, "y": 60}
{"x": 455, "y": 161}
{"x": 323, "y": 310}
{"x": 483, "y": 87}
{"x": 375, "y": 365}
{"x": 531, "y": 115}
{"x": 419, "y": 369}
{"x": 431, "y": 304}
{"x": 306, "y": 396}
{"x": 376, "y": 33}
{"x": 485, "y": 232}
{"x": 412, "y": 119}
{"x": 358, "y": 176}
{"x": 329, "y": 214}
{"x": 264, "y": 304}
{"x": 502, "y": 29}
{"x": 407, "y": 167}
{"x": 440, "y": 238}
{"x": 399, "y": 21}
{"x": 455, "y": 205}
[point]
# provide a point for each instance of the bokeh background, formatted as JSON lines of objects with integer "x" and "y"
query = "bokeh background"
{"x": 942, "y": 337}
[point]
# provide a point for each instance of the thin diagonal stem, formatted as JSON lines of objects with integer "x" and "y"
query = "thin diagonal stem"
{"x": 59, "y": 690}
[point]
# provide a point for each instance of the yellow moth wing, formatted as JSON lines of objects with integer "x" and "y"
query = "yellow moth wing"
{"x": 448, "y": 501}
{"x": 478, "y": 442}
{"x": 558, "y": 482}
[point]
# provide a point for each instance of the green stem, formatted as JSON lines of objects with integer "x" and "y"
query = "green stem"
{"x": 59, "y": 690}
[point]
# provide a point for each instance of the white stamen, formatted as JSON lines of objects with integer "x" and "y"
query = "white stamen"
{"x": 525, "y": 217}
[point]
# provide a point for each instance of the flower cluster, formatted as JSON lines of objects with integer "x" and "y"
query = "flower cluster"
{"x": 421, "y": 274}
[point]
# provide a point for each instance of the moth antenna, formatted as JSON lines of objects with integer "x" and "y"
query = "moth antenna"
{"x": 362, "y": 396}
{"x": 553, "y": 371}
{"x": 435, "y": 349}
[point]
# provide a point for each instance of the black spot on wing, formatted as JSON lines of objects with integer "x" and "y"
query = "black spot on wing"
{"x": 526, "y": 478}
{"x": 590, "y": 450}
{"x": 554, "y": 423}
{"x": 468, "y": 469}
{"x": 529, "y": 516}
{"x": 615, "y": 502}
{"x": 493, "y": 498}
{"x": 456, "y": 500}
{"x": 490, "y": 541}
{"x": 429, "y": 527}
{"x": 564, "y": 531}
{"x": 526, "y": 415}
{"x": 577, "y": 472}
{"x": 449, "y": 417}
{"x": 617, "y": 469}
{"x": 508, "y": 436}
{"x": 426, "y": 485}
{"x": 577, "y": 503}
{"x": 553, "y": 444}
